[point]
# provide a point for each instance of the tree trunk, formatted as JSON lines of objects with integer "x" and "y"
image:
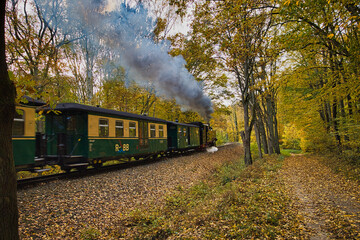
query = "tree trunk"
{"x": 236, "y": 126}
{"x": 336, "y": 126}
{"x": 344, "y": 121}
{"x": 271, "y": 122}
{"x": 8, "y": 199}
{"x": 264, "y": 138}
{"x": 233, "y": 130}
{"x": 270, "y": 132}
{"x": 89, "y": 72}
{"x": 270, "y": 143}
{"x": 246, "y": 134}
{"x": 276, "y": 135}
{"x": 258, "y": 139}
{"x": 261, "y": 129}
{"x": 260, "y": 123}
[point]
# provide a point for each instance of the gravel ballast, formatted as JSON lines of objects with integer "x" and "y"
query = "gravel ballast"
{"x": 63, "y": 209}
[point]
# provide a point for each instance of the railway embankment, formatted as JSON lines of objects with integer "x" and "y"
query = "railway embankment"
{"x": 74, "y": 208}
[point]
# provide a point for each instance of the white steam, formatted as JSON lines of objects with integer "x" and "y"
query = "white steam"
{"x": 127, "y": 32}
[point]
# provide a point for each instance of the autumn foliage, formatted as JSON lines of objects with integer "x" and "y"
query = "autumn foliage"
{"x": 280, "y": 74}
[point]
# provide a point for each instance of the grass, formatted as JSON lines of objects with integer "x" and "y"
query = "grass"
{"x": 288, "y": 152}
{"x": 236, "y": 202}
{"x": 90, "y": 234}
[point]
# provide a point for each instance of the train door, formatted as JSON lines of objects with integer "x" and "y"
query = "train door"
{"x": 188, "y": 136}
{"x": 75, "y": 134}
{"x": 206, "y": 132}
{"x": 143, "y": 135}
{"x": 65, "y": 134}
{"x": 55, "y": 134}
{"x": 40, "y": 137}
{"x": 172, "y": 136}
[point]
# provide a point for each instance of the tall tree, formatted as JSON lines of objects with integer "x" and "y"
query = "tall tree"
{"x": 323, "y": 39}
{"x": 8, "y": 199}
{"x": 231, "y": 34}
{"x": 33, "y": 45}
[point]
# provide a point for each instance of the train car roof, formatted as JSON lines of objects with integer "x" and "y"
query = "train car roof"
{"x": 26, "y": 100}
{"x": 183, "y": 124}
{"x": 200, "y": 124}
{"x": 99, "y": 110}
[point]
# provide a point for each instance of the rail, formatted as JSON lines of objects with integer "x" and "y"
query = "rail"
{"x": 32, "y": 182}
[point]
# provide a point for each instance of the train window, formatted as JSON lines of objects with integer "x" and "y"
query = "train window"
{"x": 40, "y": 123}
{"x": 71, "y": 123}
{"x": 19, "y": 123}
{"x": 161, "y": 131}
{"x": 119, "y": 129}
{"x": 58, "y": 123}
{"x": 152, "y": 130}
{"x": 132, "y": 129}
{"x": 103, "y": 127}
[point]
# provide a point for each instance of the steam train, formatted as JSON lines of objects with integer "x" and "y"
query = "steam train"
{"x": 77, "y": 136}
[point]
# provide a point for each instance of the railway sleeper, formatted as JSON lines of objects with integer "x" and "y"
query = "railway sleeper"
{"x": 78, "y": 166}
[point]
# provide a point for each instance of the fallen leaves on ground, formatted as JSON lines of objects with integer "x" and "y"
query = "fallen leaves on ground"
{"x": 327, "y": 202}
{"x": 202, "y": 196}
{"x": 79, "y": 208}
{"x": 234, "y": 203}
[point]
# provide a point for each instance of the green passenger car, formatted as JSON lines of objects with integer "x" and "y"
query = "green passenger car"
{"x": 80, "y": 134}
{"x": 24, "y": 134}
{"x": 207, "y": 135}
{"x": 24, "y": 137}
{"x": 183, "y": 136}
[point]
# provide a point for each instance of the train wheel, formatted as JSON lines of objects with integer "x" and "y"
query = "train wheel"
{"x": 81, "y": 168}
{"x": 66, "y": 169}
{"x": 97, "y": 165}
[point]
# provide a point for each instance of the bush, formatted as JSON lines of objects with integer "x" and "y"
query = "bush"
{"x": 292, "y": 143}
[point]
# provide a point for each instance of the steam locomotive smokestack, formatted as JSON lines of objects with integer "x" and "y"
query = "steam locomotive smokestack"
{"x": 128, "y": 33}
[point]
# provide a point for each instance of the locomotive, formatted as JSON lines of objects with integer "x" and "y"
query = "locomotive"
{"x": 78, "y": 136}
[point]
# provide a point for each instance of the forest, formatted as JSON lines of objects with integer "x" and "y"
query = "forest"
{"x": 277, "y": 72}
{"x": 270, "y": 74}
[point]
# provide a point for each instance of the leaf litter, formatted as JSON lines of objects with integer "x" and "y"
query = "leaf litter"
{"x": 74, "y": 209}
{"x": 179, "y": 199}
{"x": 328, "y": 203}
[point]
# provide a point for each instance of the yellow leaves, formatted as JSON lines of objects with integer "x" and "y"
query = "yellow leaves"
{"x": 287, "y": 2}
{"x": 330, "y": 36}
{"x": 326, "y": 200}
{"x": 57, "y": 112}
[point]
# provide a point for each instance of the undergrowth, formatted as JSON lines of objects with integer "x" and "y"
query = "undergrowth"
{"x": 348, "y": 166}
{"x": 236, "y": 202}
{"x": 288, "y": 152}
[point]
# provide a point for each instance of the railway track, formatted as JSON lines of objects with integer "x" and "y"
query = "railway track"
{"x": 32, "y": 182}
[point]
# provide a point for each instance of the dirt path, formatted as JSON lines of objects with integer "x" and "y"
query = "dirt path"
{"x": 328, "y": 204}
